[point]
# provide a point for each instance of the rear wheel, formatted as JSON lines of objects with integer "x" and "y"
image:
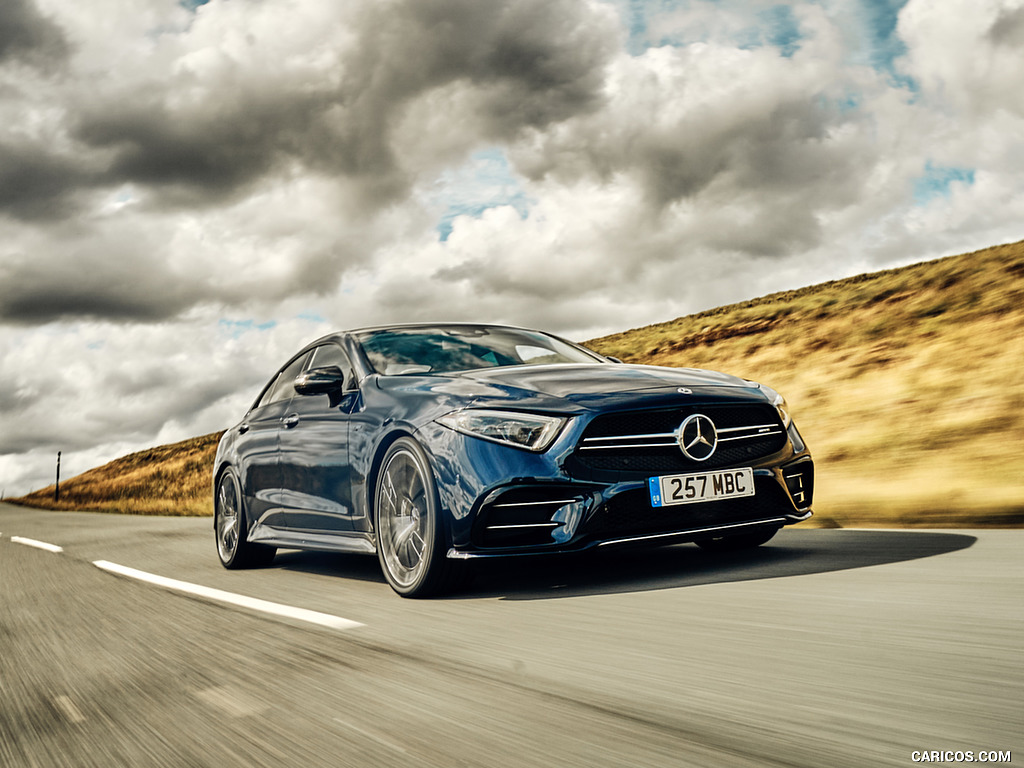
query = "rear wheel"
{"x": 409, "y": 530}
{"x": 737, "y": 541}
{"x": 231, "y": 529}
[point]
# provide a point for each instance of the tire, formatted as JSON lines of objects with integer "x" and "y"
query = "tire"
{"x": 409, "y": 531}
{"x": 231, "y": 528}
{"x": 737, "y": 541}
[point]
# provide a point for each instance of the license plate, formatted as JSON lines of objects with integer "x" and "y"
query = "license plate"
{"x": 703, "y": 486}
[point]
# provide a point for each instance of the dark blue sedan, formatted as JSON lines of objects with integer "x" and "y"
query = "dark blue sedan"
{"x": 431, "y": 445}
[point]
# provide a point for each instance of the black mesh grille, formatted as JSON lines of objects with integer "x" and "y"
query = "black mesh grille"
{"x": 522, "y": 516}
{"x": 631, "y": 513}
{"x": 611, "y": 464}
{"x": 800, "y": 482}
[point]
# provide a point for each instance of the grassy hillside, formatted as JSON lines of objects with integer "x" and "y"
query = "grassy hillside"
{"x": 908, "y": 385}
{"x": 171, "y": 479}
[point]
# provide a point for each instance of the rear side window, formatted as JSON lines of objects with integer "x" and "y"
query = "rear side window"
{"x": 283, "y": 387}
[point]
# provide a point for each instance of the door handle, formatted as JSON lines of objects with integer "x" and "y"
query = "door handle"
{"x": 291, "y": 420}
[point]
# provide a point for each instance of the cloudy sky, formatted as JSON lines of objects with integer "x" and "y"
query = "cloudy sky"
{"x": 191, "y": 190}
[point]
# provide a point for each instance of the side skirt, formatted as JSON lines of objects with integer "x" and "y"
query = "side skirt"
{"x": 356, "y": 542}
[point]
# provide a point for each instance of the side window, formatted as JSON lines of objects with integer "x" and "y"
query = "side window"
{"x": 284, "y": 384}
{"x": 265, "y": 397}
{"x": 331, "y": 354}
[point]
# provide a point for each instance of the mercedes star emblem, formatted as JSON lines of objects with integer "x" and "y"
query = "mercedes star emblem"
{"x": 697, "y": 437}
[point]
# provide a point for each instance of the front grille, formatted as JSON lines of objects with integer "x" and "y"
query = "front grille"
{"x": 526, "y": 515}
{"x": 630, "y": 513}
{"x": 622, "y": 446}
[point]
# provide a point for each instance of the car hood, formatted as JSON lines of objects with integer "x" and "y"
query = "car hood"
{"x": 564, "y": 388}
{"x": 576, "y": 381}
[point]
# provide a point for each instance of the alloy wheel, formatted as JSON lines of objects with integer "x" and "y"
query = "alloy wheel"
{"x": 404, "y": 518}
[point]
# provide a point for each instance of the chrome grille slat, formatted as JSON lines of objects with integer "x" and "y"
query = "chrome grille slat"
{"x": 752, "y": 426}
{"x": 631, "y": 437}
{"x": 535, "y": 503}
{"x": 625, "y": 445}
{"x": 749, "y": 437}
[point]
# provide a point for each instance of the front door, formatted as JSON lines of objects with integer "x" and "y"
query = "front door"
{"x": 314, "y": 453}
{"x": 259, "y": 442}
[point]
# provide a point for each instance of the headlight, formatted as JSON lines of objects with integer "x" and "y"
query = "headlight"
{"x": 780, "y": 404}
{"x": 522, "y": 430}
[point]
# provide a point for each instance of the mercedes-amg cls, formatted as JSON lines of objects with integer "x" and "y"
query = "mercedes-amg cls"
{"x": 432, "y": 445}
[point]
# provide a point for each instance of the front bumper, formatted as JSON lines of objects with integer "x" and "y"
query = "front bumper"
{"x": 504, "y": 502}
{"x": 538, "y": 517}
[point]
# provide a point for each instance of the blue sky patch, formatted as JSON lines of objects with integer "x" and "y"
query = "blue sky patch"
{"x": 937, "y": 180}
{"x": 781, "y": 29}
{"x": 235, "y": 328}
{"x": 883, "y": 44}
{"x": 775, "y": 26}
{"x": 484, "y": 181}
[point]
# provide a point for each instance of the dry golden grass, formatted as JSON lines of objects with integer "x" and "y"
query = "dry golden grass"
{"x": 908, "y": 385}
{"x": 168, "y": 480}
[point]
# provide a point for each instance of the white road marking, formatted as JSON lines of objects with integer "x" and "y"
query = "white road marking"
{"x": 219, "y": 595}
{"x": 37, "y": 544}
{"x": 68, "y": 708}
{"x": 231, "y": 701}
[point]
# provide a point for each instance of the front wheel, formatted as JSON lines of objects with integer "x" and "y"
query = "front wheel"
{"x": 737, "y": 541}
{"x": 229, "y": 524}
{"x": 409, "y": 530}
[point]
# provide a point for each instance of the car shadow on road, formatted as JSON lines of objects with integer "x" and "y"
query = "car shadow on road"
{"x": 793, "y": 552}
{"x": 790, "y": 553}
{"x": 344, "y": 566}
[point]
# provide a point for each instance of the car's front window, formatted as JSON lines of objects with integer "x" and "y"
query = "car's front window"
{"x": 447, "y": 349}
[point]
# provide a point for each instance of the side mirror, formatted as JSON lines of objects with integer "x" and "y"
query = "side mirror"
{"x": 320, "y": 381}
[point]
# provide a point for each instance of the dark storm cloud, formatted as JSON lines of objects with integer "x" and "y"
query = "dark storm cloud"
{"x": 36, "y": 184}
{"x": 536, "y": 62}
{"x": 210, "y": 153}
{"x": 773, "y": 153}
{"x": 1008, "y": 28}
{"x": 28, "y": 36}
{"x": 523, "y": 63}
{"x": 781, "y": 148}
{"x": 125, "y": 285}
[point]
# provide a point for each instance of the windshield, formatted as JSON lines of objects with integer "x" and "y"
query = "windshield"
{"x": 446, "y": 349}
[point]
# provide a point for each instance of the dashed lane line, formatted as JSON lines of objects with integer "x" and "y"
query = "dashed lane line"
{"x": 68, "y": 709}
{"x": 37, "y": 544}
{"x": 220, "y": 596}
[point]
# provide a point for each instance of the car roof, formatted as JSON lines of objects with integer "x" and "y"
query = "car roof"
{"x": 338, "y": 335}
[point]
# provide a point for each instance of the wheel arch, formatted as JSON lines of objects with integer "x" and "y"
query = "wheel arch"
{"x": 378, "y": 460}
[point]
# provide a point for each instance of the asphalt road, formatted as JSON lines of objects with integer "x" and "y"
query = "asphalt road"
{"x": 823, "y": 648}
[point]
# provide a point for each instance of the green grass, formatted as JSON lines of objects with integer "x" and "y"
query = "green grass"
{"x": 908, "y": 385}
